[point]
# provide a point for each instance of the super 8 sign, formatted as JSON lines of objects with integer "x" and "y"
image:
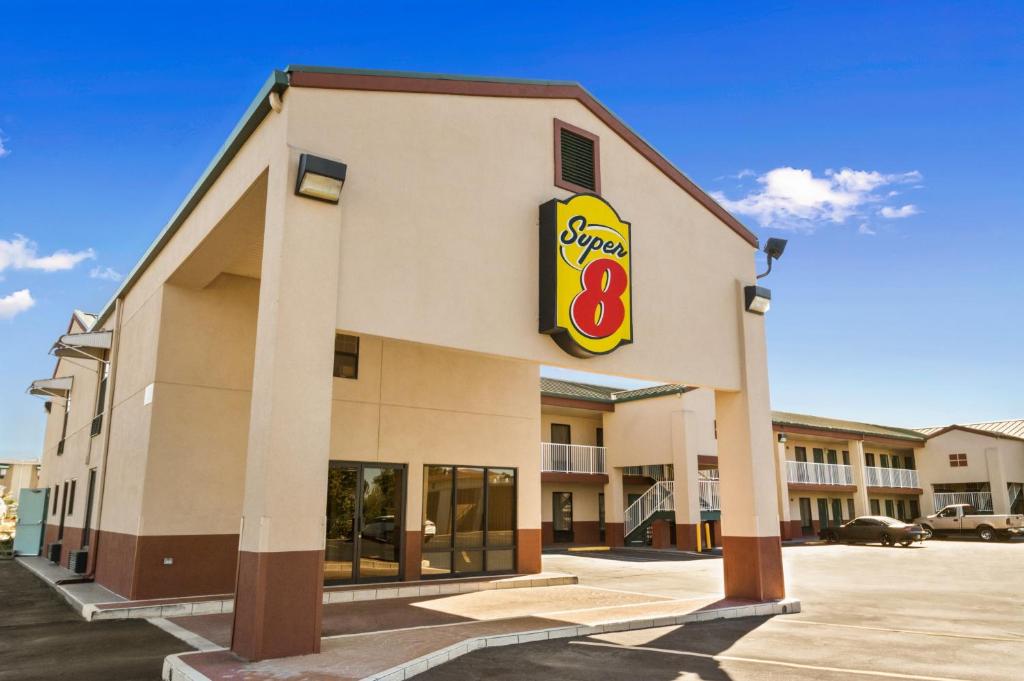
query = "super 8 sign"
{"x": 585, "y": 276}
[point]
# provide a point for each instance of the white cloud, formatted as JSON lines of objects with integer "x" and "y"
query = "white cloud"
{"x": 793, "y": 198}
{"x": 4, "y": 151}
{"x": 20, "y": 254}
{"x": 108, "y": 273}
{"x": 865, "y": 229}
{"x": 15, "y": 303}
{"x": 901, "y": 212}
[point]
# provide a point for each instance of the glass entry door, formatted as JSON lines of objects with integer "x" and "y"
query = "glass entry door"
{"x": 561, "y": 521}
{"x": 365, "y": 507}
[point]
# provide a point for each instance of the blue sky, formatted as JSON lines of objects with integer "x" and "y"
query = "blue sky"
{"x": 884, "y": 140}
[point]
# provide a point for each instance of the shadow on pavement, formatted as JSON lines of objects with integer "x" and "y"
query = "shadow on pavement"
{"x": 597, "y": 658}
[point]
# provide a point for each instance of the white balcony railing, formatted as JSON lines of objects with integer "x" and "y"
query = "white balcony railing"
{"x": 707, "y": 490}
{"x": 557, "y": 458}
{"x": 875, "y": 476}
{"x": 981, "y": 501}
{"x": 818, "y": 473}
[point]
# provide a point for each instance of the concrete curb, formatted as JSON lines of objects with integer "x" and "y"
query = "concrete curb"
{"x": 227, "y": 605}
{"x": 176, "y": 669}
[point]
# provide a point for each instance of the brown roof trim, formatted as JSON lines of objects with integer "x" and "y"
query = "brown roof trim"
{"x": 576, "y": 404}
{"x": 527, "y": 90}
{"x": 841, "y": 435}
{"x": 975, "y": 431}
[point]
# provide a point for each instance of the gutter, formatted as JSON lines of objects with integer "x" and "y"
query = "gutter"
{"x": 254, "y": 115}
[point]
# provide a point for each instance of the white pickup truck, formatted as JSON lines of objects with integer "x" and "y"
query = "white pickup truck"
{"x": 962, "y": 520}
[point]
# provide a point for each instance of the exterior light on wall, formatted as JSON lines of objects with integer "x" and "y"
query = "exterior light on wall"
{"x": 783, "y": 438}
{"x": 773, "y": 249}
{"x": 319, "y": 178}
{"x": 758, "y": 299}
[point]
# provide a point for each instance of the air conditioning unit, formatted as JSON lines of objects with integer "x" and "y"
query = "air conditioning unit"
{"x": 78, "y": 560}
{"x": 53, "y": 552}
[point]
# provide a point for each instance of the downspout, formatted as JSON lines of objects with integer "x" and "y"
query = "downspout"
{"x": 94, "y": 544}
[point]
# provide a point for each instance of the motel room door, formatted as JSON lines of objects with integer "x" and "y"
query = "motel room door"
{"x": 806, "y": 523}
{"x": 561, "y": 517}
{"x": 365, "y": 522}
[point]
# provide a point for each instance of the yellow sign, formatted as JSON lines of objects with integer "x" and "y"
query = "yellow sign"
{"x": 585, "y": 277}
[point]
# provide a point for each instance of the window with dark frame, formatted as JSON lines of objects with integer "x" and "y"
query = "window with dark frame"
{"x": 561, "y": 434}
{"x": 600, "y": 437}
{"x": 472, "y": 515}
{"x": 101, "y": 396}
{"x": 869, "y": 460}
{"x": 846, "y": 458}
{"x": 64, "y": 425}
{"x": 56, "y": 493}
{"x": 71, "y": 497}
{"x": 800, "y": 453}
{"x": 577, "y": 159}
{"x": 346, "y": 356}
{"x": 957, "y": 460}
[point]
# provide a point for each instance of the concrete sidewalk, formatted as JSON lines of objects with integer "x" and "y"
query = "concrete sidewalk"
{"x": 399, "y": 638}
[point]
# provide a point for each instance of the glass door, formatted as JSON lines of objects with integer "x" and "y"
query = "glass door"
{"x": 561, "y": 520}
{"x": 365, "y": 504}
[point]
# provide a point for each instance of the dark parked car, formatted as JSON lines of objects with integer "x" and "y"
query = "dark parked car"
{"x": 875, "y": 528}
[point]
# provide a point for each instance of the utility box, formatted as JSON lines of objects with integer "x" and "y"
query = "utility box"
{"x": 78, "y": 560}
{"x": 53, "y": 552}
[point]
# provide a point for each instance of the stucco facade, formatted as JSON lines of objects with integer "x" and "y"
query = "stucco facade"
{"x": 222, "y": 413}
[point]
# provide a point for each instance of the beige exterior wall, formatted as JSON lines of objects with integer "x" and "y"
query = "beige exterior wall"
{"x": 582, "y": 429}
{"x": 993, "y": 460}
{"x": 640, "y": 432}
{"x": 19, "y": 475}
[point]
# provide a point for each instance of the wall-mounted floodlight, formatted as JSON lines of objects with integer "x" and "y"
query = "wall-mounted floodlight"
{"x": 773, "y": 249}
{"x": 320, "y": 178}
{"x": 758, "y": 299}
{"x": 782, "y": 438}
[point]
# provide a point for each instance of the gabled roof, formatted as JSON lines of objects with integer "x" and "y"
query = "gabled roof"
{"x": 1012, "y": 429}
{"x": 551, "y": 387}
{"x": 397, "y": 81}
{"x": 783, "y": 419}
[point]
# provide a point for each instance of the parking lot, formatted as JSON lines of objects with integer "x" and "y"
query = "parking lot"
{"x": 940, "y": 611}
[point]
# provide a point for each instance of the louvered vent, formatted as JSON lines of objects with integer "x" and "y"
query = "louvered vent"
{"x": 579, "y": 165}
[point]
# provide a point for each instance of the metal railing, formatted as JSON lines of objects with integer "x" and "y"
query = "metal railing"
{"x": 875, "y": 476}
{"x": 707, "y": 490}
{"x": 657, "y": 498}
{"x": 818, "y": 473}
{"x": 656, "y": 472}
{"x": 981, "y": 501}
{"x": 559, "y": 458}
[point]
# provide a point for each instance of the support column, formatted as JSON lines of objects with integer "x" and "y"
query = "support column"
{"x": 280, "y": 559}
{"x": 614, "y": 508}
{"x": 685, "y": 493}
{"x": 528, "y": 533}
{"x": 861, "y": 504}
{"x": 751, "y": 548}
{"x": 997, "y": 482}
{"x": 786, "y": 530}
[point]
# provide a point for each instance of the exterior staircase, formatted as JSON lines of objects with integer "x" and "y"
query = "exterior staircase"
{"x": 657, "y": 502}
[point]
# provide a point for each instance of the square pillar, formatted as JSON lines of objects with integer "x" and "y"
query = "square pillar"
{"x": 751, "y": 547}
{"x": 614, "y": 508}
{"x": 861, "y": 505}
{"x": 997, "y": 482}
{"x": 685, "y": 494}
{"x": 528, "y": 533}
{"x": 786, "y": 529}
{"x": 281, "y": 548}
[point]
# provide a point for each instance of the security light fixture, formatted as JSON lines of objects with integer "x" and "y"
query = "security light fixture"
{"x": 320, "y": 178}
{"x": 773, "y": 249}
{"x": 758, "y": 299}
{"x": 782, "y": 438}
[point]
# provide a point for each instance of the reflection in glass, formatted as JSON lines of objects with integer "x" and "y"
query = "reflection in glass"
{"x": 341, "y": 510}
{"x": 381, "y": 523}
{"x": 501, "y": 508}
{"x": 500, "y": 561}
{"x": 469, "y": 561}
{"x": 437, "y": 506}
{"x": 469, "y": 507}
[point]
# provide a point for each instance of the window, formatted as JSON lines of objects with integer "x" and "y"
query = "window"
{"x": 473, "y": 513}
{"x": 71, "y": 497}
{"x": 895, "y": 461}
{"x": 890, "y": 510}
{"x": 832, "y": 456}
{"x": 101, "y": 395}
{"x": 850, "y": 508}
{"x": 884, "y": 459}
{"x": 577, "y": 159}
{"x": 876, "y": 507}
{"x": 819, "y": 455}
{"x": 64, "y": 426}
{"x": 846, "y": 458}
{"x": 901, "y": 510}
{"x": 915, "y": 509}
{"x": 869, "y": 459}
{"x": 957, "y": 460}
{"x": 346, "y": 356}
{"x": 600, "y": 437}
{"x": 800, "y": 453}
{"x": 561, "y": 433}
{"x": 909, "y": 462}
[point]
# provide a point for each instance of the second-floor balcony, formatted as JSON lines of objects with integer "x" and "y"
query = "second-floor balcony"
{"x": 875, "y": 476}
{"x": 560, "y": 458}
{"x": 808, "y": 473}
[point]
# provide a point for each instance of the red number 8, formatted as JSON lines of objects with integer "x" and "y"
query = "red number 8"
{"x": 597, "y": 311}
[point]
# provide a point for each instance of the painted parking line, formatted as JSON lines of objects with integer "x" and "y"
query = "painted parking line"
{"x": 772, "y": 663}
{"x": 919, "y": 632}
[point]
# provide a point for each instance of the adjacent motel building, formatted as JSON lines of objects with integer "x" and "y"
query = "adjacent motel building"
{"x": 17, "y": 474}
{"x": 348, "y": 314}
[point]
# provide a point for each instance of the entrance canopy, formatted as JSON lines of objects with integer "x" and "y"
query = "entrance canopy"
{"x": 51, "y": 387}
{"x": 89, "y": 345}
